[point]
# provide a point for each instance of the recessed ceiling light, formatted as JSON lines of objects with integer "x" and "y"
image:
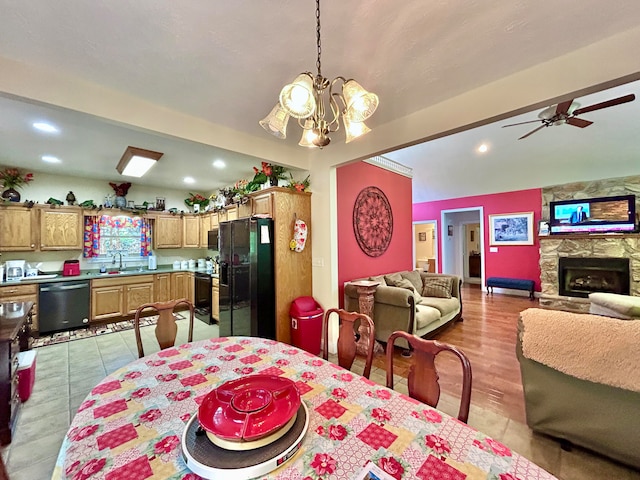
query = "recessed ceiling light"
{"x": 45, "y": 127}
{"x": 189, "y": 180}
{"x": 219, "y": 164}
{"x": 483, "y": 148}
{"x": 50, "y": 159}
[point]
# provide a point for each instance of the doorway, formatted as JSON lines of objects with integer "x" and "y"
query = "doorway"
{"x": 457, "y": 246}
{"x": 424, "y": 245}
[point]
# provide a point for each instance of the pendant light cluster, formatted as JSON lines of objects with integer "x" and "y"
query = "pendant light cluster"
{"x": 304, "y": 99}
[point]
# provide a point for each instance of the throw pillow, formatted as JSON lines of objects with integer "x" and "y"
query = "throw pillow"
{"x": 404, "y": 283}
{"x": 379, "y": 278}
{"x": 437, "y": 287}
{"x": 393, "y": 278}
{"x": 415, "y": 279}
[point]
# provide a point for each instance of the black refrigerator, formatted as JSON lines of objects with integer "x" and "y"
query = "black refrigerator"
{"x": 247, "y": 290}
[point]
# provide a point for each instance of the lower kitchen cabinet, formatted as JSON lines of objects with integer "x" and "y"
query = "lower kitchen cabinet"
{"x": 182, "y": 286}
{"x": 120, "y": 297}
{"x": 215, "y": 299}
{"x": 162, "y": 287}
{"x": 22, "y": 293}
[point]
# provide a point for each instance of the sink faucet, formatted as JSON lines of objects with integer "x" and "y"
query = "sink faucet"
{"x": 114, "y": 260}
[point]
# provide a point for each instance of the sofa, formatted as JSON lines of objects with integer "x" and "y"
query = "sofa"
{"x": 416, "y": 302}
{"x": 581, "y": 380}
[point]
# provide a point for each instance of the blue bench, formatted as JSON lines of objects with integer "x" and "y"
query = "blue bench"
{"x": 513, "y": 283}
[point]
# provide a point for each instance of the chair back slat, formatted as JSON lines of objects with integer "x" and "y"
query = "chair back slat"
{"x": 347, "y": 346}
{"x": 166, "y": 329}
{"x": 423, "y": 379}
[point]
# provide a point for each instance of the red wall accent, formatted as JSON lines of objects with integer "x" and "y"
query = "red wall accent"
{"x": 516, "y": 261}
{"x": 352, "y": 261}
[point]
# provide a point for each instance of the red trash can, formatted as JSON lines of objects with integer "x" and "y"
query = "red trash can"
{"x": 26, "y": 373}
{"x": 306, "y": 324}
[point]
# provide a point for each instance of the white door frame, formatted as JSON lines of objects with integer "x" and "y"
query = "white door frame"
{"x": 443, "y": 237}
{"x": 435, "y": 247}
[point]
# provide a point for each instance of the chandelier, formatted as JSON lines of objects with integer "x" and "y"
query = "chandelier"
{"x": 304, "y": 99}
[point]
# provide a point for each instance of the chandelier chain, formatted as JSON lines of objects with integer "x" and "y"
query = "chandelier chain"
{"x": 319, "y": 43}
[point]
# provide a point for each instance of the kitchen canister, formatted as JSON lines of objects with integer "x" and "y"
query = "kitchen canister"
{"x": 192, "y": 263}
{"x": 176, "y": 265}
{"x": 184, "y": 264}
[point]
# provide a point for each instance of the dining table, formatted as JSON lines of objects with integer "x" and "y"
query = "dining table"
{"x": 130, "y": 425}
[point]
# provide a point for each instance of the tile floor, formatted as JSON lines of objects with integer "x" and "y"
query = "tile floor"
{"x": 65, "y": 373}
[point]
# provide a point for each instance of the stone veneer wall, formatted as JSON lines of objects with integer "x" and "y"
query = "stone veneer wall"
{"x": 618, "y": 245}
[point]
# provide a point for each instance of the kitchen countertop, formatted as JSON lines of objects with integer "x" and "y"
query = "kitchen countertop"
{"x": 91, "y": 274}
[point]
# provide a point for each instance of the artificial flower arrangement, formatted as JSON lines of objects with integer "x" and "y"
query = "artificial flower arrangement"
{"x": 298, "y": 186}
{"x": 13, "y": 177}
{"x": 270, "y": 172}
{"x": 122, "y": 189}
{"x": 196, "y": 199}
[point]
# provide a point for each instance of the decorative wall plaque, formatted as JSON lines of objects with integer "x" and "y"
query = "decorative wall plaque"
{"x": 372, "y": 221}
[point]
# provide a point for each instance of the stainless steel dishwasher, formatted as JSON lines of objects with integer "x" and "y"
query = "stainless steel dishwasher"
{"x": 63, "y": 305}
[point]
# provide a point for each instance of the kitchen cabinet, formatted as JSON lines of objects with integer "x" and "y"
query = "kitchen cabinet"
{"x": 293, "y": 272}
{"x": 232, "y": 213}
{"x": 120, "y": 297}
{"x": 61, "y": 228}
{"x": 162, "y": 287}
{"x": 182, "y": 286}
{"x": 474, "y": 265}
{"x": 245, "y": 209}
{"x": 14, "y": 333}
{"x": 262, "y": 204}
{"x": 167, "y": 231}
{"x": 205, "y": 226}
{"x": 215, "y": 299}
{"x": 18, "y": 227}
{"x": 222, "y": 216}
{"x": 191, "y": 231}
{"x": 22, "y": 293}
{"x": 214, "y": 221}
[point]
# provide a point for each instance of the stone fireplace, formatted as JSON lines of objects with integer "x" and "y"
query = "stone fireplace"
{"x": 580, "y": 276}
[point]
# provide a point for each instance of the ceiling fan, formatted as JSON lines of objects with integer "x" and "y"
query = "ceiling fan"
{"x": 567, "y": 112}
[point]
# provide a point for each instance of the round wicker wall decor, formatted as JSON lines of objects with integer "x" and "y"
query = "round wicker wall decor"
{"x": 372, "y": 221}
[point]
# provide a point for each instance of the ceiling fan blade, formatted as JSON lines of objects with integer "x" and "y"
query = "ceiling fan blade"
{"x": 609, "y": 103}
{"x": 564, "y": 107}
{"x": 578, "y": 122}
{"x": 532, "y": 132}
{"x": 521, "y": 123}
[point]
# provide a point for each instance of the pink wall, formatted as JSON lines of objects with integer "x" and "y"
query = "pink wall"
{"x": 352, "y": 261}
{"x": 516, "y": 261}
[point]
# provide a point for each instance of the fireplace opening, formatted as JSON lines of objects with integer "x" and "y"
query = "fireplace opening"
{"x": 580, "y": 276}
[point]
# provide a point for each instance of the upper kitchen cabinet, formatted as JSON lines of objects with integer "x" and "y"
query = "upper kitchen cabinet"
{"x": 191, "y": 231}
{"x": 18, "y": 227}
{"x": 205, "y": 226}
{"x": 61, "y": 228}
{"x": 167, "y": 231}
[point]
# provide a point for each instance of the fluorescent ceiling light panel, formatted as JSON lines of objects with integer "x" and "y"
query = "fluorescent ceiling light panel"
{"x": 45, "y": 127}
{"x": 135, "y": 162}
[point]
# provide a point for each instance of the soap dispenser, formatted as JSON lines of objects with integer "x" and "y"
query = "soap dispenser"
{"x": 153, "y": 263}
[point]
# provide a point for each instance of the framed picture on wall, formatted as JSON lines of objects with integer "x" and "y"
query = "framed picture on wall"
{"x": 422, "y": 236}
{"x": 511, "y": 229}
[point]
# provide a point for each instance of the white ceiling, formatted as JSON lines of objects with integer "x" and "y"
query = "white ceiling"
{"x": 225, "y": 62}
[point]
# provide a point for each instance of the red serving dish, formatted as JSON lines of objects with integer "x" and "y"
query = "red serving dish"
{"x": 249, "y": 408}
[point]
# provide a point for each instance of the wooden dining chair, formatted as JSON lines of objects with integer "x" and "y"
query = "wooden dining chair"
{"x": 347, "y": 342}
{"x": 423, "y": 376}
{"x": 166, "y": 328}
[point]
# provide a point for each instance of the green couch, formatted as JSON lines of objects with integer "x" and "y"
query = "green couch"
{"x": 399, "y": 308}
{"x": 597, "y": 416}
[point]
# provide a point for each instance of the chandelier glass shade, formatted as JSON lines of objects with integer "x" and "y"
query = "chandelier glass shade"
{"x": 303, "y": 99}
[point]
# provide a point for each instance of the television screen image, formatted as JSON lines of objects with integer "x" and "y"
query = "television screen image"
{"x": 594, "y": 215}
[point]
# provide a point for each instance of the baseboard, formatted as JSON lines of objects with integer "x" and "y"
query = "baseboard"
{"x": 510, "y": 291}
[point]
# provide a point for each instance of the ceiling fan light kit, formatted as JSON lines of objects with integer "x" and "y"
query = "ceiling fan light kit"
{"x": 568, "y": 111}
{"x": 303, "y": 99}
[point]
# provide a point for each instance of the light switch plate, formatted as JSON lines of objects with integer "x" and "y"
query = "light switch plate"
{"x": 493, "y": 249}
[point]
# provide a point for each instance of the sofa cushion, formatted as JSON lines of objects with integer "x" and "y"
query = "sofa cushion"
{"x": 426, "y": 315}
{"x": 437, "y": 287}
{"x": 625, "y": 306}
{"x": 415, "y": 279}
{"x": 379, "y": 278}
{"x": 444, "y": 305}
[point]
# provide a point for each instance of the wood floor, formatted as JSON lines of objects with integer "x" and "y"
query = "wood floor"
{"x": 488, "y": 337}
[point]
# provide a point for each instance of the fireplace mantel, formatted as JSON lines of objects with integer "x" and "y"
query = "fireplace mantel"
{"x": 590, "y": 236}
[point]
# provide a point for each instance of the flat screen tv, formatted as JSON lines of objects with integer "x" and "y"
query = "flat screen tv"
{"x": 593, "y": 215}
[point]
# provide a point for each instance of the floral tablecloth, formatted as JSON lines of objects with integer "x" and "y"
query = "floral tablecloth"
{"x": 130, "y": 425}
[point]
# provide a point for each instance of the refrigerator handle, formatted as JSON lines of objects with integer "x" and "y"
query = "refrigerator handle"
{"x": 224, "y": 273}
